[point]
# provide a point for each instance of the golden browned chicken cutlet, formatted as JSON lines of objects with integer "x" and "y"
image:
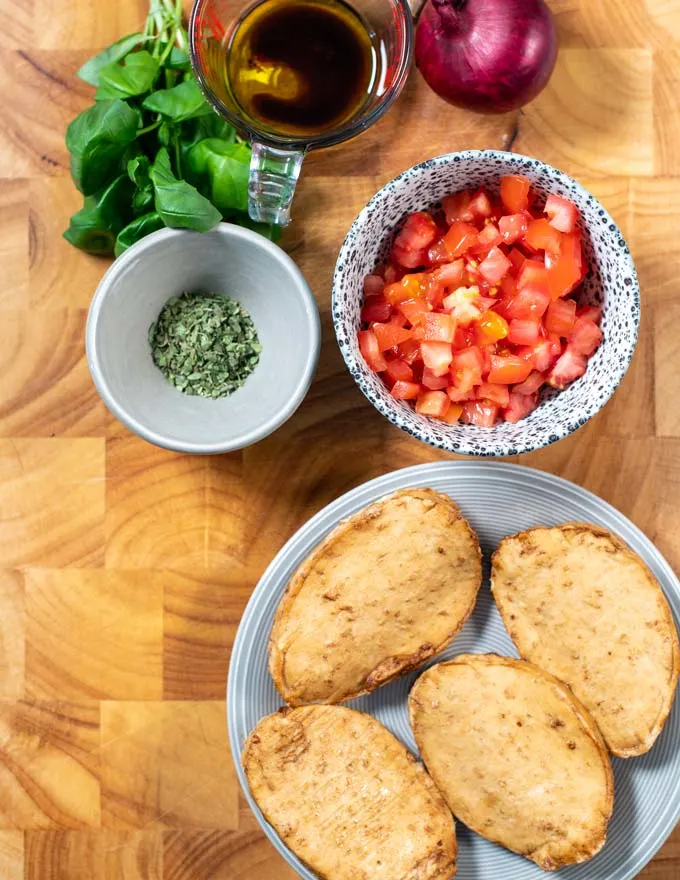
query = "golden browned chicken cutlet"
{"x": 386, "y": 590}
{"x": 516, "y": 756}
{"x": 347, "y": 798}
{"x": 580, "y": 604}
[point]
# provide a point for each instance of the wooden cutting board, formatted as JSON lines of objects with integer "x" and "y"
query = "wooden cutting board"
{"x": 125, "y": 569}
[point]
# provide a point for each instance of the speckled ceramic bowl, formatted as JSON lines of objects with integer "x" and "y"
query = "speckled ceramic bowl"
{"x": 611, "y": 282}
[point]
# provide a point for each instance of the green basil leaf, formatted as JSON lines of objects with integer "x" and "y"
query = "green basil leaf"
{"x": 142, "y": 201}
{"x": 221, "y": 172}
{"x": 136, "y": 230}
{"x": 133, "y": 77}
{"x": 178, "y": 203}
{"x": 138, "y": 171}
{"x": 163, "y": 134}
{"x": 97, "y": 140}
{"x": 90, "y": 70}
{"x": 178, "y": 59}
{"x": 181, "y": 102}
{"x": 95, "y": 226}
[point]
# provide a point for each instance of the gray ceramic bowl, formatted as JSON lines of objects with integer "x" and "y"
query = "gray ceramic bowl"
{"x": 228, "y": 260}
{"x": 611, "y": 282}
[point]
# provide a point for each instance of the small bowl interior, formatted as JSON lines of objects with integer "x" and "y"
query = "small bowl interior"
{"x": 227, "y": 260}
{"x": 611, "y": 282}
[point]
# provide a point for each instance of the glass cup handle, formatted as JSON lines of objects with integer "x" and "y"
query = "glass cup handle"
{"x": 271, "y": 185}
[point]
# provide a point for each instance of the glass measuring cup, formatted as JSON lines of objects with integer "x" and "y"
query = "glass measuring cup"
{"x": 277, "y": 157}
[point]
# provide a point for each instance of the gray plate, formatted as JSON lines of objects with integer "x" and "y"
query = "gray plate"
{"x": 497, "y": 499}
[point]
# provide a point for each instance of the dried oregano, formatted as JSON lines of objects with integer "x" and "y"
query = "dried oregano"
{"x": 204, "y": 344}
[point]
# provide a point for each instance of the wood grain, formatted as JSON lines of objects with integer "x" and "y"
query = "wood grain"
{"x": 124, "y": 569}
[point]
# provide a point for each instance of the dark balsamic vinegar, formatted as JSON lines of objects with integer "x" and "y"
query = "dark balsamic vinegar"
{"x": 301, "y": 68}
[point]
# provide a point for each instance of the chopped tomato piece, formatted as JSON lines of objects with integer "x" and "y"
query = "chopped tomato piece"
{"x": 453, "y": 414}
{"x": 457, "y": 207}
{"x": 438, "y": 253}
{"x": 508, "y": 369}
{"x": 592, "y": 313}
{"x": 405, "y": 390}
{"x": 488, "y": 238}
{"x": 523, "y": 331}
{"x": 566, "y": 271}
{"x": 460, "y": 238}
{"x": 466, "y": 368}
{"x": 569, "y": 366}
{"x": 457, "y": 396}
{"x": 389, "y": 335}
{"x": 373, "y": 285}
{"x": 560, "y": 317}
{"x": 414, "y": 310}
{"x": 481, "y": 414}
{"x": 392, "y": 274}
{"x": 409, "y": 351}
{"x": 515, "y": 193}
{"x": 398, "y": 319}
{"x": 499, "y": 394}
{"x": 517, "y": 258}
{"x": 434, "y": 383}
{"x": 533, "y": 274}
{"x": 480, "y": 204}
{"x": 396, "y": 293}
{"x": 451, "y": 275}
{"x": 490, "y": 328}
{"x": 463, "y": 304}
{"x": 376, "y": 308}
{"x": 585, "y": 336}
{"x": 541, "y": 236}
{"x": 528, "y": 304}
{"x": 531, "y": 384}
{"x": 433, "y": 403}
{"x": 399, "y": 371}
{"x": 519, "y": 406}
{"x": 494, "y": 266}
{"x": 417, "y": 233}
{"x": 407, "y": 257}
{"x": 563, "y": 214}
{"x": 508, "y": 286}
{"x": 438, "y": 327}
{"x": 437, "y": 356}
{"x": 368, "y": 346}
{"x": 512, "y": 227}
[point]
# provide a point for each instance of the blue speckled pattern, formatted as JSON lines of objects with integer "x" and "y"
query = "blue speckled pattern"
{"x": 611, "y": 282}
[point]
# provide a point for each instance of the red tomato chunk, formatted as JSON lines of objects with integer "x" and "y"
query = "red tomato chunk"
{"x": 476, "y": 310}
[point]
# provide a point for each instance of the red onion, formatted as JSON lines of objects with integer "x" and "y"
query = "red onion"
{"x": 486, "y": 55}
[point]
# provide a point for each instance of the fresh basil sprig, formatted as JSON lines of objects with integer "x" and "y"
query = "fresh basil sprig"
{"x": 150, "y": 152}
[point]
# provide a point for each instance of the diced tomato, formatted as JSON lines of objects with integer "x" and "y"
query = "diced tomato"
{"x": 560, "y": 317}
{"x": 585, "y": 336}
{"x": 566, "y": 271}
{"x": 517, "y": 259}
{"x": 523, "y": 331}
{"x": 451, "y": 275}
{"x": 508, "y": 286}
{"x": 409, "y": 351}
{"x": 399, "y": 371}
{"x": 592, "y": 313}
{"x": 515, "y": 193}
{"x": 488, "y": 238}
{"x": 508, "y": 369}
{"x": 434, "y": 383}
{"x": 480, "y": 204}
{"x": 453, "y": 414}
{"x": 481, "y": 414}
{"x": 541, "y": 236}
{"x": 494, "y": 266}
{"x": 398, "y": 319}
{"x": 437, "y": 356}
{"x": 457, "y": 207}
{"x": 438, "y": 253}
{"x": 569, "y": 366}
{"x": 533, "y": 274}
{"x": 407, "y": 257}
{"x": 460, "y": 238}
{"x": 414, "y": 310}
{"x": 466, "y": 368}
{"x": 432, "y": 403}
{"x": 531, "y": 384}
{"x": 519, "y": 406}
{"x": 458, "y": 396}
{"x": 490, "y": 328}
{"x": 376, "y": 308}
{"x": 392, "y": 274}
{"x": 417, "y": 233}
{"x": 499, "y": 394}
{"x": 438, "y": 327}
{"x": 396, "y": 293}
{"x": 528, "y": 304}
{"x": 462, "y": 304}
{"x": 368, "y": 346}
{"x": 373, "y": 285}
{"x": 563, "y": 214}
{"x": 512, "y": 227}
{"x": 405, "y": 390}
{"x": 389, "y": 335}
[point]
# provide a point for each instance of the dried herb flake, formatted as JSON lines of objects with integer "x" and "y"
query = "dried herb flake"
{"x": 204, "y": 344}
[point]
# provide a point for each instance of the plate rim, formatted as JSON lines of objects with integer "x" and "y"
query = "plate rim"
{"x": 669, "y": 818}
